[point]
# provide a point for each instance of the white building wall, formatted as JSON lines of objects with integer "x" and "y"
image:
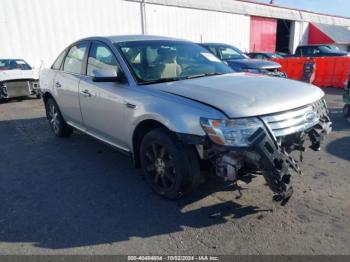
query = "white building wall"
{"x": 198, "y": 25}
{"x": 254, "y": 9}
{"x": 298, "y": 35}
{"x": 37, "y": 30}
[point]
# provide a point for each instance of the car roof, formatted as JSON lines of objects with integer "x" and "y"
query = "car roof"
{"x": 130, "y": 38}
{"x": 216, "y": 44}
{"x": 315, "y": 45}
{"x": 5, "y": 58}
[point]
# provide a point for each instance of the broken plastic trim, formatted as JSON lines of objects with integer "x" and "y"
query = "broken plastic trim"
{"x": 276, "y": 165}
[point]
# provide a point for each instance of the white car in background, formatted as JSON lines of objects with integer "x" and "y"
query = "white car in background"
{"x": 18, "y": 79}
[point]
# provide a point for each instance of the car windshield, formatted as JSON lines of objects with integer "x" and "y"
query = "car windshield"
{"x": 12, "y": 64}
{"x": 329, "y": 49}
{"x": 272, "y": 55}
{"x": 230, "y": 52}
{"x": 162, "y": 61}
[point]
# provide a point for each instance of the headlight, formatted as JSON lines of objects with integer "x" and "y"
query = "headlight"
{"x": 231, "y": 132}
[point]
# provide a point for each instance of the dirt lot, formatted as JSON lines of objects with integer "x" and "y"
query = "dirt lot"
{"x": 79, "y": 196}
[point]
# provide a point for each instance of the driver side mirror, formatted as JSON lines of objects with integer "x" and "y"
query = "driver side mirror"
{"x": 107, "y": 75}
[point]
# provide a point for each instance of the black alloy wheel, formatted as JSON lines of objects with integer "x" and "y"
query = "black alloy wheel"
{"x": 170, "y": 167}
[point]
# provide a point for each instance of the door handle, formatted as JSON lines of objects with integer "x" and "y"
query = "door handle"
{"x": 58, "y": 84}
{"x": 86, "y": 93}
{"x": 129, "y": 105}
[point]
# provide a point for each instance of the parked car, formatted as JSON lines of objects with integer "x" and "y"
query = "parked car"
{"x": 173, "y": 106}
{"x": 240, "y": 62}
{"x": 264, "y": 56}
{"x": 318, "y": 51}
{"x": 17, "y": 79}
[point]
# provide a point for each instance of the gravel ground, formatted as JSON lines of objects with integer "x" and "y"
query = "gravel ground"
{"x": 79, "y": 196}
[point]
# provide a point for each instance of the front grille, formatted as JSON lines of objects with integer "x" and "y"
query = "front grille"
{"x": 18, "y": 88}
{"x": 296, "y": 120}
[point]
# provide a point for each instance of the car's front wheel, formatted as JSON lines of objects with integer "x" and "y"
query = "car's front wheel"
{"x": 57, "y": 123}
{"x": 170, "y": 167}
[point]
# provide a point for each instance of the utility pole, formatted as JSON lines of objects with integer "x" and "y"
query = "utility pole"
{"x": 272, "y": 2}
{"x": 143, "y": 17}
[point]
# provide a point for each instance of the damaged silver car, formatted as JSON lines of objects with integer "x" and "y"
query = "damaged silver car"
{"x": 176, "y": 109}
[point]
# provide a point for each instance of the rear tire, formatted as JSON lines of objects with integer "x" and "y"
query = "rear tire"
{"x": 170, "y": 167}
{"x": 57, "y": 123}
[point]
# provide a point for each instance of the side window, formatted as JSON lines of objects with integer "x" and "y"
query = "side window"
{"x": 74, "y": 59}
{"x": 101, "y": 58}
{"x": 308, "y": 51}
{"x": 228, "y": 53}
{"x": 317, "y": 51}
{"x": 58, "y": 62}
{"x": 213, "y": 50}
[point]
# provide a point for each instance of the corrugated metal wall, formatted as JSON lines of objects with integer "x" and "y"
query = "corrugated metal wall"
{"x": 198, "y": 25}
{"x": 37, "y": 30}
{"x": 254, "y": 9}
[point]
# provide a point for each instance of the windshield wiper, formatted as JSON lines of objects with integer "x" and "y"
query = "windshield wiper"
{"x": 161, "y": 80}
{"x": 172, "y": 79}
{"x": 203, "y": 75}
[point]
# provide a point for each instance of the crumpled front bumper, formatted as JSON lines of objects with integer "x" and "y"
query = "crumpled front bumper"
{"x": 275, "y": 158}
{"x": 267, "y": 153}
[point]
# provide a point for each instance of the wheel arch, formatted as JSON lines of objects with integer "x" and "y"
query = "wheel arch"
{"x": 139, "y": 133}
{"x": 46, "y": 96}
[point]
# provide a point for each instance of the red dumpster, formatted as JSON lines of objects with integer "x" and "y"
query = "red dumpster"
{"x": 328, "y": 71}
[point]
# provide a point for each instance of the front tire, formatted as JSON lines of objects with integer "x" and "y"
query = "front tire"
{"x": 57, "y": 123}
{"x": 170, "y": 167}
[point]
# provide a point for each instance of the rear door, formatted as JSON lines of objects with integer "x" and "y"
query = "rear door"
{"x": 102, "y": 103}
{"x": 66, "y": 83}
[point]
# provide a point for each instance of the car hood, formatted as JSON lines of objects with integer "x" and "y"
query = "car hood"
{"x": 254, "y": 63}
{"x": 7, "y": 75}
{"x": 245, "y": 95}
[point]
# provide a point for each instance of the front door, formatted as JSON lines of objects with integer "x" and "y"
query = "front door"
{"x": 102, "y": 103}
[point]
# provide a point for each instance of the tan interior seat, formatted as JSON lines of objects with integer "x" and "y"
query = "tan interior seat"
{"x": 171, "y": 70}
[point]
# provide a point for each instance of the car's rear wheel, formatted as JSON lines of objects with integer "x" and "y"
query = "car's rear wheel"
{"x": 170, "y": 167}
{"x": 57, "y": 123}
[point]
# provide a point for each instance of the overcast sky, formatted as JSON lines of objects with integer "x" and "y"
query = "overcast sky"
{"x": 336, "y": 7}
